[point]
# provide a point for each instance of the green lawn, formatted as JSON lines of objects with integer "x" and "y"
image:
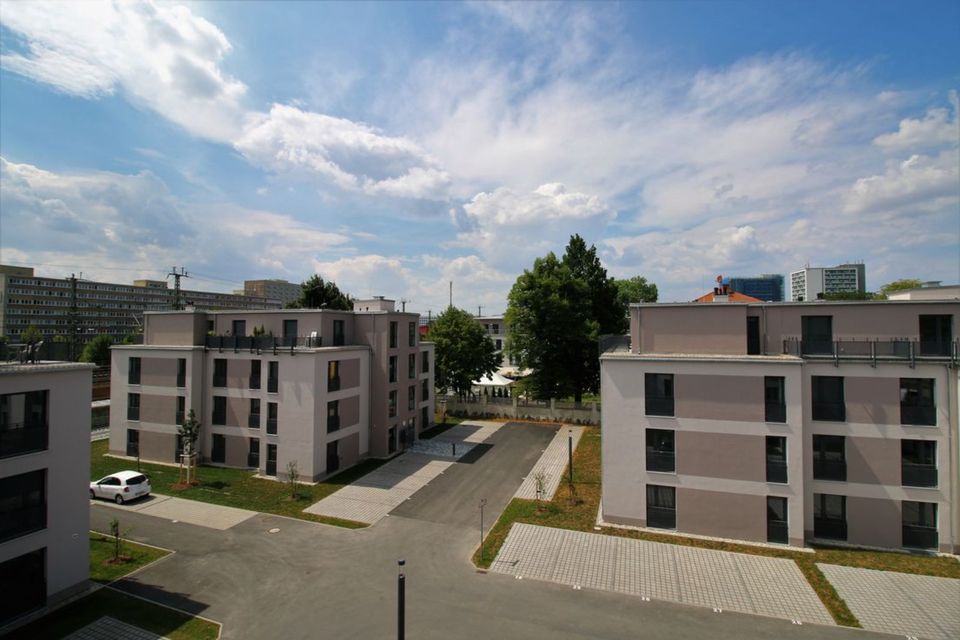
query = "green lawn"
{"x": 133, "y": 556}
{"x": 235, "y": 487}
{"x": 579, "y": 513}
{"x": 109, "y": 602}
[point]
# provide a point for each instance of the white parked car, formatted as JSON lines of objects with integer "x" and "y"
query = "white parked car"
{"x": 121, "y": 486}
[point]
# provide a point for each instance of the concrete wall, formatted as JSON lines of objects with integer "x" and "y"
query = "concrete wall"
{"x": 873, "y": 522}
{"x": 728, "y": 397}
{"x": 715, "y": 328}
{"x": 723, "y": 515}
{"x": 158, "y": 446}
{"x": 721, "y": 455}
{"x": 158, "y": 371}
{"x": 872, "y": 400}
{"x": 183, "y": 328}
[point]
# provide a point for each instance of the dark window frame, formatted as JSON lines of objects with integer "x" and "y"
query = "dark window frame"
{"x": 918, "y": 463}
{"x": 412, "y": 333}
{"x": 411, "y": 366}
{"x": 776, "y": 463}
{"x": 134, "y": 370}
{"x": 333, "y": 416}
{"x": 659, "y": 394}
{"x": 218, "y": 415}
{"x": 30, "y": 435}
{"x": 273, "y": 376}
{"x": 775, "y": 399}
{"x": 778, "y": 529}
{"x": 256, "y": 374}
{"x": 392, "y": 404}
{"x": 392, "y": 366}
{"x": 827, "y": 525}
{"x": 394, "y": 334}
{"x": 253, "y": 416}
{"x": 411, "y": 397}
{"x": 273, "y": 418}
{"x": 827, "y": 465}
{"x": 826, "y": 405}
{"x": 333, "y": 376}
{"x": 133, "y": 407}
{"x": 918, "y": 402}
{"x": 921, "y": 532}
{"x": 181, "y": 373}
{"x": 661, "y": 450}
{"x": 23, "y": 499}
{"x": 661, "y": 506}
{"x": 220, "y": 372}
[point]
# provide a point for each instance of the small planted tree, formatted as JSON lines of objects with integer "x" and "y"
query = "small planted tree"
{"x": 117, "y": 540}
{"x": 189, "y": 432}
{"x": 292, "y": 474}
{"x": 540, "y": 482}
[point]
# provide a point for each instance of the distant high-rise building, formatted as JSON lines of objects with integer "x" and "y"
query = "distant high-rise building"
{"x": 767, "y": 286}
{"x": 815, "y": 283}
{"x": 281, "y": 290}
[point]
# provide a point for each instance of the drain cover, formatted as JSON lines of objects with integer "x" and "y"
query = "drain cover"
{"x": 274, "y": 530}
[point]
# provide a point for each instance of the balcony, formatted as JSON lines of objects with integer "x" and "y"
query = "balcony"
{"x": 775, "y": 412}
{"x": 20, "y": 438}
{"x": 661, "y": 518}
{"x": 777, "y": 531}
{"x": 918, "y": 475}
{"x": 777, "y": 471}
{"x": 255, "y": 344}
{"x": 830, "y": 470}
{"x": 830, "y": 528}
{"x": 659, "y": 406}
{"x": 920, "y": 537}
{"x": 658, "y": 461}
{"x": 873, "y": 350}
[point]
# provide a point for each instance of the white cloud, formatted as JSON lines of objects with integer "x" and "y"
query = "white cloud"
{"x": 920, "y": 183}
{"x": 934, "y": 130}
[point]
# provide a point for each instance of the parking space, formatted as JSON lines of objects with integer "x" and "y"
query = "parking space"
{"x": 203, "y": 514}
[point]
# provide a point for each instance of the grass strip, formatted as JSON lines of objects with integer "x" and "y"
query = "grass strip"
{"x": 133, "y": 556}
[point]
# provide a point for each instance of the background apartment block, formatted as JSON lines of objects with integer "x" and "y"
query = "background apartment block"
{"x": 496, "y": 328}
{"x": 786, "y": 422}
{"x": 280, "y": 290}
{"x": 321, "y": 388}
{"x": 767, "y": 287}
{"x": 101, "y": 307}
{"x": 814, "y": 283}
{"x": 44, "y": 474}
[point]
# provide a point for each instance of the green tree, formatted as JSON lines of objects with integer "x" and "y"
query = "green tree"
{"x": 464, "y": 351}
{"x": 31, "y": 333}
{"x": 636, "y": 289}
{"x": 556, "y": 313}
{"x": 852, "y": 295}
{"x": 317, "y": 294}
{"x": 97, "y": 350}
{"x": 899, "y": 285}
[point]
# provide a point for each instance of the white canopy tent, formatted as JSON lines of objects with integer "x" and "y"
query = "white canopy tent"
{"x": 493, "y": 384}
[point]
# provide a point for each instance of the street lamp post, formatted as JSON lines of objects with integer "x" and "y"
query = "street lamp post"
{"x": 401, "y": 587}
{"x": 483, "y": 502}
{"x": 570, "y": 453}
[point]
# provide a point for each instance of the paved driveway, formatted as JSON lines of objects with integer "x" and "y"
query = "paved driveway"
{"x": 213, "y": 516}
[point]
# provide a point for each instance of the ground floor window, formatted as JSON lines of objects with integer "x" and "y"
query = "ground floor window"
{"x": 661, "y": 507}
{"x": 777, "y": 530}
{"x": 829, "y": 516}
{"x": 29, "y": 573}
{"x": 920, "y": 525}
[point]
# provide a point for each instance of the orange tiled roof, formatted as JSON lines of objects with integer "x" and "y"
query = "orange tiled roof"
{"x": 733, "y": 296}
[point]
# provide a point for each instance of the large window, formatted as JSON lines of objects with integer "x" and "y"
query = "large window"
{"x": 777, "y": 529}
{"x": 220, "y": 372}
{"x": 333, "y": 376}
{"x": 28, "y": 572}
{"x": 777, "y": 459}
{"x": 426, "y": 362}
{"x": 412, "y": 397}
{"x": 271, "y": 420}
{"x": 412, "y": 366}
{"x": 253, "y": 419}
{"x": 918, "y": 463}
{"x": 917, "y": 406}
{"x": 827, "y": 398}
{"x": 412, "y": 333}
{"x": 253, "y": 453}
{"x": 273, "y": 376}
{"x": 338, "y": 336}
{"x": 775, "y": 399}
{"x": 659, "y": 394}
{"x": 333, "y": 416}
{"x": 661, "y": 452}
{"x": 392, "y": 369}
{"x": 23, "y": 423}
{"x": 181, "y": 372}
{"x": 424, "y": 390}
{"x": 393, "y": 334}
{"x": 239, "y": 328}
{"x": 255, "y": 373}
{"x": 133, "y": 371}
{"x": 23, "y": 504}
{"x": 218, "y": 452}
{"x": 816, "y": 335}
{"x": 935, "y": 335}
{"x": 133, "y": 443}
{"x": 392, "y": 404}
{"x": 920, "y": 525}
{"x": 289, "y": 329}
{"x": 219, "y": 410}
{"x": 179, "y": 416}
{"x": 829, "y": 458}
{"x": 829, "y": 516}
{"x": 133, "y": 406}
{"x": 661, "y": 507}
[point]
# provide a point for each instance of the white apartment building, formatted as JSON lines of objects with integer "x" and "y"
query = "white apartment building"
{"x": 814, "y": 283}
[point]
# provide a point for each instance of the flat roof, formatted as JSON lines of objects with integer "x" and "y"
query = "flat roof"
{"x": 43, "y": 366}
{"x": 701, "y": 357}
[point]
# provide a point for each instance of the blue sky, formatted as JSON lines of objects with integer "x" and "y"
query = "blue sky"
{"x": 395, "y": 147}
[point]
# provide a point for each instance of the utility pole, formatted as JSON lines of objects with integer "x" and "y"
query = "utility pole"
{"x": 177, "y": 305}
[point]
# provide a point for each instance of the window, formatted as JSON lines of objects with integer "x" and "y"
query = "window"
{"x": 412, "y": 333}
{"x": 333, "y": 416}
{"x": 219, "y": 372}
{"x": 393, "y": 369}
{"x": 935, "y": 335}
{"x": 827, "y": 398}
{"x": 920, "y": 525}
{"x": 393, "y": 335}
{"x": 289, "y": 329}
{"x": 133, "y": 406}
{"x": 181, "y": 372}
{"x": 426, "y": 362}
{"x": 753, "y": 336}
{"x": 133, "y": 443}
{"x": 412, "y": 397}
{"x": 253, "y": 420}
{"x": 916, "y": 402}
{"x": 133, "y": 371}
{"x": 776, "y": 459}
{"x": 777, "y": 530}
{"x": 424, "y": 390}
{"x": 775, "y": 399}
{"x": 392, "y": 404}
{"x": 498, "y": 344}
{"x": 219, "y": 410}
{"x": 333, "y": 376}
{"x": 255, "y": 374}
{"x": 661, "y": 507}
{"x": 253, "y": 454}
{"x": 239, "y": 328}
{"x": 338, "y": 333}
{"x": 392, "y": 440}
{"x": 829, "y": 516}
{"x": 496, "y": 328}
{"x": 829, "y": 458}
{"x": 918, "y": 463}
{"x": 660, "y": 450}
{"x": 218, "y": 453}
{"x": 273, "y": 376}
{"x": 816, "y": 335}
{"x": 23, "y": 504}
{"x": 28, "y": 572}
{"x": 272, "y": 418}
{"x": 412, "y": 366}
{"x": 180, "y": 414}
{"x": 659, "y": 394}
{"x": 23, "y": 423}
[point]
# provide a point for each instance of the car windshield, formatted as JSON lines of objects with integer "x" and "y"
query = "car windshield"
{"x": 137, "y": 480}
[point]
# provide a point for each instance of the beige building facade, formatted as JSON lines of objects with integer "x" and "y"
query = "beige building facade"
{"x": 786, "y": 423}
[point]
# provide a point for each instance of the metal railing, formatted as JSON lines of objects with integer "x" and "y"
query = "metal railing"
{"x": 272, "y": 426}
{"x": 659, "y": 461}
{"x": 830, "y": 470}
{"x": 661, "y": 518}
{"x": 920, "y": 537}
{"x": 659, "y": 406}
{"x": 19, "y": 522}
{"x": 777, "y": 471}
{"x": 262, "y": 343}
{"x": 253, "y": 421}
{"x": 19, "y": 438}
{"x": 830, "y": 528}
{"x": 775, "y": 412}
{"x": 829, "y": 411}
{"x": 777, "y": 531}
{"x": 873, "y": 350}
{"x": 918, "y": 415}
{"x": 918, "y": 475}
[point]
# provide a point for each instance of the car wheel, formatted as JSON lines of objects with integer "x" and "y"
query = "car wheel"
{"x": 118, "y": 499}
{"x": 93, "y": 496}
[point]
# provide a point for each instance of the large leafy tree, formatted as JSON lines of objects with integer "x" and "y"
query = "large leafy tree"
{"x": 464, "y": 351}
{"x": 636, "y": 289}
{"x": 317, "y": 294}
{"x": 556, "y": 313}
{"x": 97, "y": 350}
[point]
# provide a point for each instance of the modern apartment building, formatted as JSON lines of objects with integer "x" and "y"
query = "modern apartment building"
{"x": 767, "y": 287}
{"x": 785, "y": 423}
{"x": 496, "y": 328}
{"x": 815, "y": 283}
{"x": 321, "y": 388}
{"x": 44, "y": 475}
{"x": 281, "y": 290}
{"x": 99, "y": 307}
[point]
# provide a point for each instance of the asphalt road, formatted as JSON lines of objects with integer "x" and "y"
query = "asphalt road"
{"x": 317, "y": 581}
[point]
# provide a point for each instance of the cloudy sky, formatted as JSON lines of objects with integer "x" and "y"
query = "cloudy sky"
{"x": 395, "y": 147}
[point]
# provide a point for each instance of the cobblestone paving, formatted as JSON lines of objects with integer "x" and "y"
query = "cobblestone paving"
{"x": 918, "y": 606}
{"x": 552, "y": 463}
{"x": 107, "y": 628}
{"x": 718, "y": 579}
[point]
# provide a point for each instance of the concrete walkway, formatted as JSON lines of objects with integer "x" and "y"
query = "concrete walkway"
{"x": 370, "y": 498}
{"x": 552, "y": 463}
{"x": 107, "y": 628}
{"x": 718, "y": 579}
{"x": 213, "y": 516}
{"x": 902, "y": 603}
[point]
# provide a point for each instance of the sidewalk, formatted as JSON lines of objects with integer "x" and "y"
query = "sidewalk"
{"x": 552, "y": 463}
{"x": 702, "y": 577}
{"x": 203, "y": 514}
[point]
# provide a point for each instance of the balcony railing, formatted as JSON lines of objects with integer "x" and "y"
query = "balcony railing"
{"x": 253, "y": 421}
{"x": 777, "y": 531}
{"x": 829, "y": 411}
{"x": 253, "y": 460}
{"x": 262, "y": 343}
{"x": 19, "y": 438}
{"x": 873, "y": 350}
{"x": 918, "y": 415}
{"x": 255, "y": 382}
{"x": 918, "y": 475}
{"x": 777, "y": 471}
{"x": 830, "y": 528}
{"x": 920, "y": 537}
{"x": 19, "y": 522}
{"x": 657, "y": 461}
{"x": 659, "y": 406}
{"x": 333, "y": 423}
{"x": 273, "y": 384}
{"x": 219, "y": 381}
{"x": 775, "y": 412}
{"x": 333, "y": 384}
{"x": 272, "y": 426}
{"x": 661, "y": 518}
{"x": 179, "y": 418}
{"x": 830, "y": 470}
